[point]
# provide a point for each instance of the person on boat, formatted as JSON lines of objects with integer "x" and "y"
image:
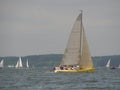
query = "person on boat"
{"x": 65, "y": 67}
{"x": 56, "y": 68}
{"x": 113, "y": 67}
{"x": 73, "y": 67}
{"x": 61, "y": 67}
{"x": 81, "y": 67}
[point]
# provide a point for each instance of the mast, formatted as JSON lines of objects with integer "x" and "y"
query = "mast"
{"x": 81, "y": 27}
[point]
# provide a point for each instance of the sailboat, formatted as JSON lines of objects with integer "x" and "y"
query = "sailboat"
{"x": 1, "y": 64}
{"x": 27, "y": 64}
{"x": 19, "y": 63}
{"x": 108, "y": 63}
{"x": 77, "y": 57}
{"x": 119, "y": 66}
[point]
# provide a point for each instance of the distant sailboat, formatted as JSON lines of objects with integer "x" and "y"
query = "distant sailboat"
{"x": 19, "y": 63}
{"x": 77, "y": 56}
{"x": 108, "y": 63}
{"x": 119, "y": 66}
{"x": 27, "y": 64}
{"x": 1, "y": 64}
{"x": 10, "y": 66}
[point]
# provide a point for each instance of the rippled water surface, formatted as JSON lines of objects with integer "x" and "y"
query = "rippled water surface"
{"x": 41, "y": 78}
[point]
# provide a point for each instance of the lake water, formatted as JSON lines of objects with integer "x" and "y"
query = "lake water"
{"x": 42, "y": 78}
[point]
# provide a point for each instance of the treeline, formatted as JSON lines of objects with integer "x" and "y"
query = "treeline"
{"x": 98, "y": 60}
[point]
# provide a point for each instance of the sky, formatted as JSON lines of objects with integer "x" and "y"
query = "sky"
{"x": 35, "y": 27}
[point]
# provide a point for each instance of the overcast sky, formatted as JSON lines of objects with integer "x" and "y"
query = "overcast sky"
{"x": 30, "y": 27}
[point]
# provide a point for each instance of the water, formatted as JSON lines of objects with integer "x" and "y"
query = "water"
{"x": 42, "y": 78}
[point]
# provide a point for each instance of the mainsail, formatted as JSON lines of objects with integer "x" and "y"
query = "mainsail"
{"x": 16, "y": 66}
{"x": 27, "y": 65}
{"x": 77, "y": 50}
{"x": 108, "y": 63}
{"x": 1, "y": 63}
{"x": 119, "y": 66}
{"x": 19, "y": 63}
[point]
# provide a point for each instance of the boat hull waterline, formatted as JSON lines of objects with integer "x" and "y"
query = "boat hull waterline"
{"x": 90, "y": 70}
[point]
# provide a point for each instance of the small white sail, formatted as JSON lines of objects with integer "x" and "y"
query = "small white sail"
{"x": 19, "y": 63}
{"x": 108, "y": 63}
{"x": 1, "y": 63}
{"x": 16, "y": 66}
{"x": 119, "y": 66}
{"x": 27, "y": 64}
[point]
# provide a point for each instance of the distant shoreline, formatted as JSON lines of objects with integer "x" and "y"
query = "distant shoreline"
{"x": 55, "y": 54}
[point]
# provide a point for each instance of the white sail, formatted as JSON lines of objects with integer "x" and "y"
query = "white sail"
{"x": 27, "y": 64}
{"x": 19, "y": 63}
{"x": 77, "y": 51}
{"x": 16, "y": 66}
{"x": 119, "y": 66}
{"x": 1, "y": 63}
{"x": 108, "y": 63}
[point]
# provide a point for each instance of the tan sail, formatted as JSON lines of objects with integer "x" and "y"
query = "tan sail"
{"x": 72, "y": 52}
{"x": 86, "y": 60}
